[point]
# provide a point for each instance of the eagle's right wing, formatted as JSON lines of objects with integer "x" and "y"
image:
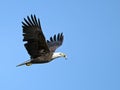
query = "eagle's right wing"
{"x": 55, "y": 42}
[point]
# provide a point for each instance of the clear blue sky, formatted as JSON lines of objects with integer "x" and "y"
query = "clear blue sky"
{"x": 92, "y": 43}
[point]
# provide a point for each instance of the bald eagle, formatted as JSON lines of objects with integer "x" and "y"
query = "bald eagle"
{"x": 39, "y": 49}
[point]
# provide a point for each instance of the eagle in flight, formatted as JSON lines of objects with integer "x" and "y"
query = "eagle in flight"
{"x": 39, "y": 49}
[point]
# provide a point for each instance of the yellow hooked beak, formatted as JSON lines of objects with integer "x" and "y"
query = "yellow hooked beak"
{"x": 65, "y": 56}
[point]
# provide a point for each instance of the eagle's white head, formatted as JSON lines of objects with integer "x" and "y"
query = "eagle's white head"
{"x": 58, "y": 54}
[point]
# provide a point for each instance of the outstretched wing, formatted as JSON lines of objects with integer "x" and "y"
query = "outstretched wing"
{"x": 55, "y": 42}
{"x": 32, "y": 32}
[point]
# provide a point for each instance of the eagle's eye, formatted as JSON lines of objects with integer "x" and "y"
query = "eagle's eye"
{"x": 60, "y": 54}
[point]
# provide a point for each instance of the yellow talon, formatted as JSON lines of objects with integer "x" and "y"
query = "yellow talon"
{"x": 28, "y": 64}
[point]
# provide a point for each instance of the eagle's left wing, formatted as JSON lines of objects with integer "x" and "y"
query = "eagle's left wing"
{"x": 36, "y": 43}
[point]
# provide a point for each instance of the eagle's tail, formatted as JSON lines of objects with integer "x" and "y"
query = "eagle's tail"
{"x": 27, "y": 63}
